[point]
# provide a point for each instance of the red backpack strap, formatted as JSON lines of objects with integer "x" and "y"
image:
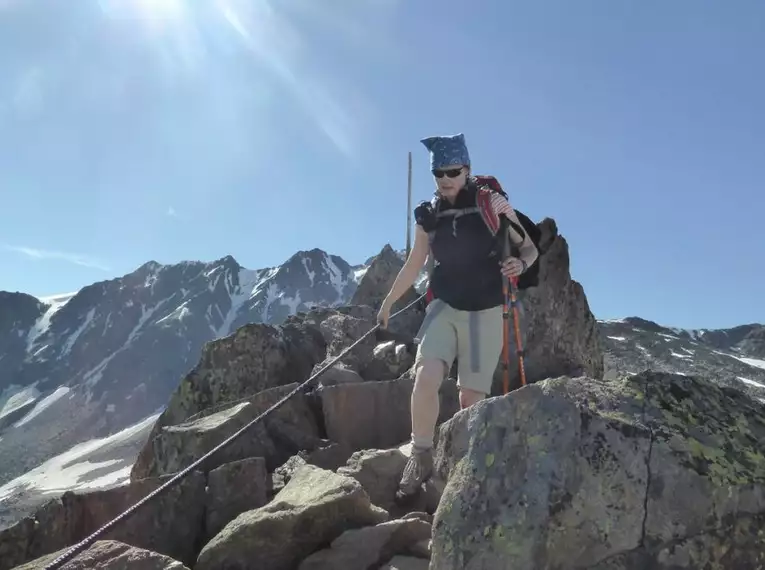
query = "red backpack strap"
{"x": 488, "y": 185}
{"x": 483, "y": 199}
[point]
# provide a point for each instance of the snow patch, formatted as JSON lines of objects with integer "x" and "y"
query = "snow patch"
{"x": 311, "y": 274}
{"x": 62, "y": 298}
{"x": 145, "y": 316}
{"x": 677, "y": 355}
{"x": 335, "y": 276}
{"x": 43, "y": 405}
{"x": 292, "y": 303}
{"x": 76, "y": 334}
{"x": 68, "y": 471}
{"x": 668, "y": 336}
{"x": 271, "y": 296}
{"x": 619, "y": 338}
{"x": 358, "y": 274}
{"x": 751, "y": 382}
{"x": 249, "y": 283}
{"x": 757, "y": 363}
{"x": 178, "y": 314}
{"x": 41, "y": 326}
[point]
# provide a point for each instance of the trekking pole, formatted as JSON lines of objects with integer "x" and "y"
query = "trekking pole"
{"x": 505, "y": 250}
{"x": 509, "y": 290}
{"x": 505, "y": 338}
{"x": 517, "y": 324}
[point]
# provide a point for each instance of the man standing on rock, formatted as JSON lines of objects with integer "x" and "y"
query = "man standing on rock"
{"x": 464, "y": 318}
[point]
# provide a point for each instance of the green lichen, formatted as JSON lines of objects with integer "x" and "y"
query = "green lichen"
{"x": 713, "y": 432}
{"x": 617, "y": 416}
{"x": 489, "y": 459}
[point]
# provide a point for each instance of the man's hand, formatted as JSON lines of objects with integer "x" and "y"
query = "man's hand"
{"x": 384, "y": 314}
{"x": 512, "y": 267}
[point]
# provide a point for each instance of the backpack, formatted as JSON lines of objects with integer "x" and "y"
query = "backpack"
{"x": 487, "y": 185}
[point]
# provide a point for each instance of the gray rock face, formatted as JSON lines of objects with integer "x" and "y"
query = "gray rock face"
{"x": 232, "y": 489}
{"x": 288, "y": 430}
{"x": 313, "y": 509}
{"x": 171, "y": 525}
{"x": 654, "y": 471}
{"x": 369, "y": 547}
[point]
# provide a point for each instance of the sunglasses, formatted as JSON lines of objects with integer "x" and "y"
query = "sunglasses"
{"x": 451, "y": 173}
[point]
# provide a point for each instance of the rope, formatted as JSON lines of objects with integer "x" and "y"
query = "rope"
{"x": 80, "y": 546}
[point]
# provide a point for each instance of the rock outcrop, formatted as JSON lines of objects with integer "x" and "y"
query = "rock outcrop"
{"x": 653, "y": 471}
{"x": 376, "y": 284}
{"x": 232, "y": 371}
{"x": 561, "y": 335}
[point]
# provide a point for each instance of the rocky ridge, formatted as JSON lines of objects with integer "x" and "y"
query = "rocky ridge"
{"x": 592, "y": 460}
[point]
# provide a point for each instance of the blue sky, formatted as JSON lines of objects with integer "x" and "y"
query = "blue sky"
{"x": 171, "y": 130}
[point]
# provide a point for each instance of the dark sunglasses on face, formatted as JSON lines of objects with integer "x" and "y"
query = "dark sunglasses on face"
{"x": 451, "y": 173}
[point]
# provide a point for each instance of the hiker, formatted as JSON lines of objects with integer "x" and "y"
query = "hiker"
{"x": 464, "y": 318}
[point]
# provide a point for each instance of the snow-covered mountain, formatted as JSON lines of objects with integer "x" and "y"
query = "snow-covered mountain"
{"x": 88, "y": 364}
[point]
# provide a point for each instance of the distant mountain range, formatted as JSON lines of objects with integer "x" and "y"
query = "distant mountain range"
{"x": 87, "y": 364}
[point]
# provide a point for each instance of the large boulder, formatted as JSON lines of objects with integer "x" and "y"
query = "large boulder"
{"x": 370, "y": 547}
{"x": 389, "y": 361}
{"x": 377, "y": 415}
{"x": 655, "y": 471}
{"x": 232, "y": 369}
{"x": 289, "y": 429}
{"x": 312, "y": 510}
{"x": 560, "y": 331}
{"x": 342, "y": 330}
{"x": 109, "y": 555}
{"x": 232, "y": 489}
{"x": 379, "y": 472}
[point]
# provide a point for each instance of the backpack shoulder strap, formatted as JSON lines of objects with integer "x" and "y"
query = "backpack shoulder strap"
{"x": 490, "y": 218}
{"x": 487, "y": 187}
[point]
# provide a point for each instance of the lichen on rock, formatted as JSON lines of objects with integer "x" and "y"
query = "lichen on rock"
{"x": 574, "y": 472}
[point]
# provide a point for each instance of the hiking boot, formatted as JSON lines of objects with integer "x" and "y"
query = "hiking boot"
{"x": 418, "y": 469}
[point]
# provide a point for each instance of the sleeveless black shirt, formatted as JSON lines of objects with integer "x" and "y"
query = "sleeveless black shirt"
{"x": 467, "y": 273}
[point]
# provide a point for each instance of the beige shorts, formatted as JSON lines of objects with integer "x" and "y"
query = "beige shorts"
{"x": 474, "y": 338}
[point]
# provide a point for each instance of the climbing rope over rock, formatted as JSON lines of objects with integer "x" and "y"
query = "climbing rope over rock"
{"x": 82, "y": 545}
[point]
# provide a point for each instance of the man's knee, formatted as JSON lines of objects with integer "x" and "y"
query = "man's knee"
{"x": 469, "y": 397}
{"x": 429, "y": 376}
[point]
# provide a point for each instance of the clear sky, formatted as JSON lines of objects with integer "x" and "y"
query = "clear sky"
{"x": 177, "y": 130}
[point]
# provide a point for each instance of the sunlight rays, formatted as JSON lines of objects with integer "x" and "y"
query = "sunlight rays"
{"x": 284, "y": 38}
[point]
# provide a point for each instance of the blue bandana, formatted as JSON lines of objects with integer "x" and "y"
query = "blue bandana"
{"x": 445, "y": 151}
